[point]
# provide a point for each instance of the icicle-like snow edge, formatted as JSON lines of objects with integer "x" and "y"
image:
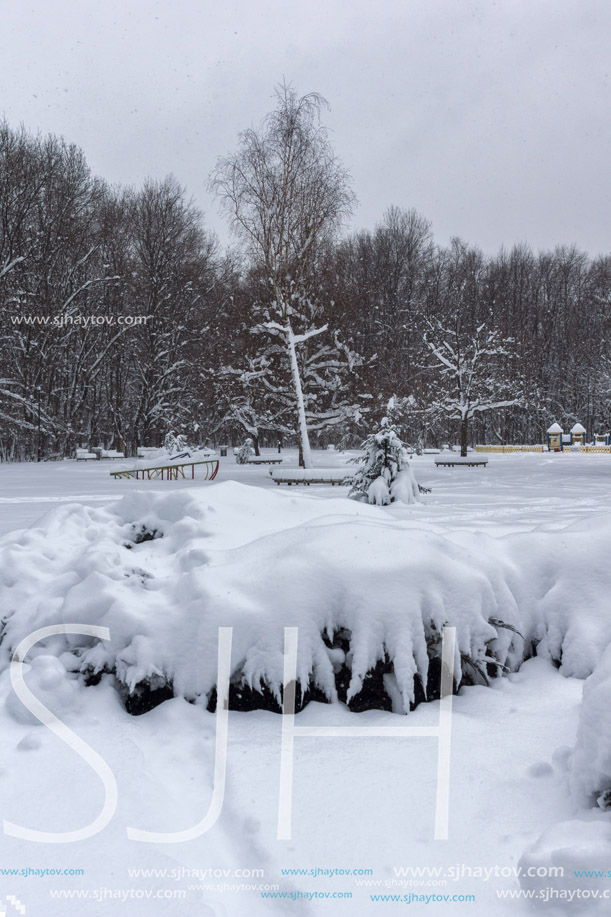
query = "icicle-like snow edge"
{"x": 370, "y": 596}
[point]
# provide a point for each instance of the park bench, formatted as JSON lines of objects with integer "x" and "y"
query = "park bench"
{"x": 262, "y": 460}
{"x": 309, "y": 476}
{"x": 111, "y": 454}
{"x": 471, "y": 461}
{"x": 83, "y": 455}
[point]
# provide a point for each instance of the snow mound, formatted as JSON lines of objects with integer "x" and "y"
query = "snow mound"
{"x": 369, "y": 594}
{"x": 574, "y": 850}
{"x": 48, "y": 680}
{"x": 590, "y": 766}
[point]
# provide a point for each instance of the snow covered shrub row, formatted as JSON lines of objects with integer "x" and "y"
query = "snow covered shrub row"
{"x": 369, "y": 594}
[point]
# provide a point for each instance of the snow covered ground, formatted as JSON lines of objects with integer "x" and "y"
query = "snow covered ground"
{"x": 521, "y": 490}
{"x": 362, "y": 807}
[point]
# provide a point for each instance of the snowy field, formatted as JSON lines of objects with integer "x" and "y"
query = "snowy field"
{"x": 521, "y": 491}
{"x": 526, "y": 539}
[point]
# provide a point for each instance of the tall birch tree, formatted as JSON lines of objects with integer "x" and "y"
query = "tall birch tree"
{"x": 286, "y": 195}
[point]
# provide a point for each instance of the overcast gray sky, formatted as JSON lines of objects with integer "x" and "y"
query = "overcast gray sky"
{"x": 493, "y": 119}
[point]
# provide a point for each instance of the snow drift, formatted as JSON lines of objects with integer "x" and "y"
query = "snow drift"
{"x": 369, "y": 593}
{"x": 590, "y": 768}
{"x": 579, "y": 850}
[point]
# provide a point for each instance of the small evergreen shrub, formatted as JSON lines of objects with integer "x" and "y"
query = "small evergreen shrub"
{"x": 245, "y": 451}
{"x": 385, "y": 473}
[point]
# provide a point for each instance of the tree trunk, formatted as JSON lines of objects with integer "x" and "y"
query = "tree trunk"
{"x": 305, "y": 459}
{"x": 255, "y": 442}
{"x": 463, "y": 435}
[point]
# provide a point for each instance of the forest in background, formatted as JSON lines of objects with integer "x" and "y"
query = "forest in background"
{"x": 123, "y": 320}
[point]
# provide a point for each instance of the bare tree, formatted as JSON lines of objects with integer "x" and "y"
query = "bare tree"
{"x": 471, "y": 374}
{"x": 287, "y": 194}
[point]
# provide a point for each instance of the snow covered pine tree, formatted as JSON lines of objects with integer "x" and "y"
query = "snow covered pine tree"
{"x": 245, "y": 452}
{"x": 385, "y": 475}
{"x": 175, "y": 443}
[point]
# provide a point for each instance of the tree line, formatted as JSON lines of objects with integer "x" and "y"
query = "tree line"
{"x": 123, "y": 320}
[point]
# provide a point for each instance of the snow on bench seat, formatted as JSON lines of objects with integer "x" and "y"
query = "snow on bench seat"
{"x": 111, "y": 454}
{"x": 263, "y": 460}
{"x": 82, "y": 455}
{"x": 312, "y": 476}
{"x": 470, "y": 460}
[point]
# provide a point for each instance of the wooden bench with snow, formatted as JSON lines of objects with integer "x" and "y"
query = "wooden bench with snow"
{"x": 111, "y": 454}
{"x": 171, "y": 468}
{"x": 147, "y": 451}
{"x": 309, "y": 476}
{"x": 263, "y": 460}
{"x": 84, "y": 455}
{"x": 450, "y": 459}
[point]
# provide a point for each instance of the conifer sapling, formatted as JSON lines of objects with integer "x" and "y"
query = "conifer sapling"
{"x": 385, "y": 475}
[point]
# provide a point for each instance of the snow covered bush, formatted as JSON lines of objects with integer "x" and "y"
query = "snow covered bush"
{"x": 174, "y": 444}
{"x": 370, "y": 597}
{"x": 245, "y": 451}
{"x": 365, "y": 635}
{"x": 385, "y": 474}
